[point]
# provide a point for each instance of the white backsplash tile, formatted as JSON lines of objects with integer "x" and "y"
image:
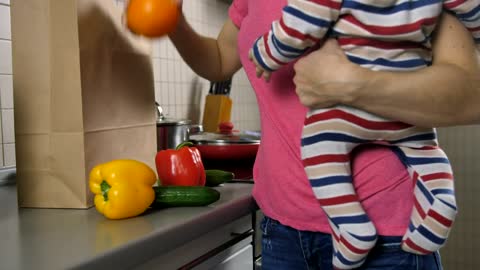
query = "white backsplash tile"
{"x": 5, "y": 31}
{"x": 5, "y": 57}
{"x": 6, "y": 91}
{"x": 6, "y": 2}
{"x": 1, "y": 156}
{"x": 8, "y": 132}
{"x": 9, "y": 154}
{"x": 156, "y": 69}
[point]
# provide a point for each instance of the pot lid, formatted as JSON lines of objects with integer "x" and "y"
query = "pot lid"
{"x": 162, "y": 120}
{"x": 235, "y": 137}
{"x": 171, "y": 122}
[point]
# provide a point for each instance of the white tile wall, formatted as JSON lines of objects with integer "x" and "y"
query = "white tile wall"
{"x": 7, "y": 136}
{"x": 5, "y": 32}
{"x": 5, "y": 56}
{"x": 179, "y": 91}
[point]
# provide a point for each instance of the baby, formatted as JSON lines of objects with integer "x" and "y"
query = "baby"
{"x": 379, "y": 35}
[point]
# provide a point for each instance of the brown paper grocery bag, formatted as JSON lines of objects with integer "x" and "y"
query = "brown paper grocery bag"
{"x": 84, "y": 94}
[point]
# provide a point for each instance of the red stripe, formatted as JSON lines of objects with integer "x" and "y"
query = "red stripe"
{"x": 327, "y": 3}
{"x": 473, "y": 29}
{"x": 335, "y": 236}
{"x": 373, "y": 125}
{"x": 413, "y": 246}
{"x": 428, "y": 147}
{"x": 353, "y": 248}
{"x": 414, "y": 178}
{"x": 436, "y": 176}
{"x": 325, "y": 158}
{"x": 338, "y": 200}
{"x": 392, "y": 30}
{"x": 269, "y": 53}
{"x": 387, "y": 45}
{"x": 348, "y": 245}
{"x": 296, "y": 34}
{"x": 441, "y": 219}
{"x": 419, "y": 209}
{"x": 454, "y": 4}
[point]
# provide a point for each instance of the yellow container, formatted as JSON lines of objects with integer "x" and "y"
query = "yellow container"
{"x": 218, "y": 109}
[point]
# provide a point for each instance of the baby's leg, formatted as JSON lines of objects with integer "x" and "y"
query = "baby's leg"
{"x": 326, "y": 158}
{"x": 434, "y": 205}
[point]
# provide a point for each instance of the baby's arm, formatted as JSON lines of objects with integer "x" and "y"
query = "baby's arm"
{"x": 303, "y": 24}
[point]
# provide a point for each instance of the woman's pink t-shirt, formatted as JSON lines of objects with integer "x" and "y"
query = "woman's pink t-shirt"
{"x": 281, "y": 187}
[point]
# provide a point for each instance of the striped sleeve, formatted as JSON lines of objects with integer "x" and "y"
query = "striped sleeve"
{"x": 468, "y": 12}
{"x": 303, "y": 24}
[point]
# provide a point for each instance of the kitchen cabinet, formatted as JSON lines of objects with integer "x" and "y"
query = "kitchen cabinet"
{"x": 228, "y": 247}
{"x": 218, "y": 235}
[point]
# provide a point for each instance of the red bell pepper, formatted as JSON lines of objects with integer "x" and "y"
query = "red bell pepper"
{"x": 181, "y": 166}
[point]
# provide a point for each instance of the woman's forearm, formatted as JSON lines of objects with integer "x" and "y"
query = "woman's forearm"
{"x": 445, "y": 94}
{"x": 213, "y": 59}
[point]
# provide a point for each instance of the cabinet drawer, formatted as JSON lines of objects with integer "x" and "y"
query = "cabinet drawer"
{"x": 202, "y": 246}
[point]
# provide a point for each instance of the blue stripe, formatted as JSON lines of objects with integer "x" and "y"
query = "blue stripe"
{"x": 412, "y": 63}
{"x": 448, "y": 192}
{"x": 331, "y": 180}
{"x": 443, "y": 191}
{"x": 334, "y": 137}
{"x": 411, "y": 228}
{"x": 350, "y": 219}
{"x": 344, "y": 260}
{"x": 279, "y": 46}
{"x": 366, "y": 238}
{"x": 470, "y": 16}
{"x": 258, "y": 57}
{"x": 450, "y": 205}
{"x": 420, "y": 137}
{"x": 305, "y": 17}
{"x": 425, "y": 160}
{"x": 430, "y": 236}
{"x": 400, "y": 154}
{"x": 406, "y": 6}
{"x": 425, "y": 192}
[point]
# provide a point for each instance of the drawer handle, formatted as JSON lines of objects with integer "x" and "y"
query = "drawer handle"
{"x": 230, "y": 243}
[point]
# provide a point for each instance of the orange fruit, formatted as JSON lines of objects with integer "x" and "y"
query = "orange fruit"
{"x": 152, "y": 18}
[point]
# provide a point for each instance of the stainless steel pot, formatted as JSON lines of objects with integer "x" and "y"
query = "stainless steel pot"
{"x": 171, "y": 132}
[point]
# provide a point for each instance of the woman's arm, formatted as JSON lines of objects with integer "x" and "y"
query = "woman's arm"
{"x": 214, "y": 59}
{"x": 445, "y": 94}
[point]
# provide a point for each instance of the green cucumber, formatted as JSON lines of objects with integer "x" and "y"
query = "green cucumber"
{"x": 217, "y": 177}
{"x": 177, "y": 196}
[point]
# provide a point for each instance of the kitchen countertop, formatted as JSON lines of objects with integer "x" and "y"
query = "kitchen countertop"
{"x": 83, "y": 239}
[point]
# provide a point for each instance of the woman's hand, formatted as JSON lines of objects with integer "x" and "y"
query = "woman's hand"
{"x": 325, "y": 77}
{"x": 445, "y": 94}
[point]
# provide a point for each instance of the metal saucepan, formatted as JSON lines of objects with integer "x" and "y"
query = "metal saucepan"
{"x": 172, "y": 132}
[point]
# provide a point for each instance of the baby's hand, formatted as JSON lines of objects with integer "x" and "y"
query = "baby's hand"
{"x": 259, "y": 70}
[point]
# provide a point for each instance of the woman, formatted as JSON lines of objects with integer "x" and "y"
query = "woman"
{"x": 295, "y": 231}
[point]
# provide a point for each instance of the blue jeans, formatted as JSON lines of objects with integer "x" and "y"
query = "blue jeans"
{"x": 286, "y": 248}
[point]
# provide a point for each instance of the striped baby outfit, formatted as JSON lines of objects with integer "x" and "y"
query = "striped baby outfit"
{"x": 379, "y": 35}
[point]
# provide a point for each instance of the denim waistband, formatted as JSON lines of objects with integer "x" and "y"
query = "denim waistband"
{"x": 389, "y": 239}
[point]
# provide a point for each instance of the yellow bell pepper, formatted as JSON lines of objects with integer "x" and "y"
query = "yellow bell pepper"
{"x": 122, "y": 188}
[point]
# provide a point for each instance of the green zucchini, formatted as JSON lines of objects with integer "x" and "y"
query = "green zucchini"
{"x": 177, "y": 196}
{"x": 217, "y": 177}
